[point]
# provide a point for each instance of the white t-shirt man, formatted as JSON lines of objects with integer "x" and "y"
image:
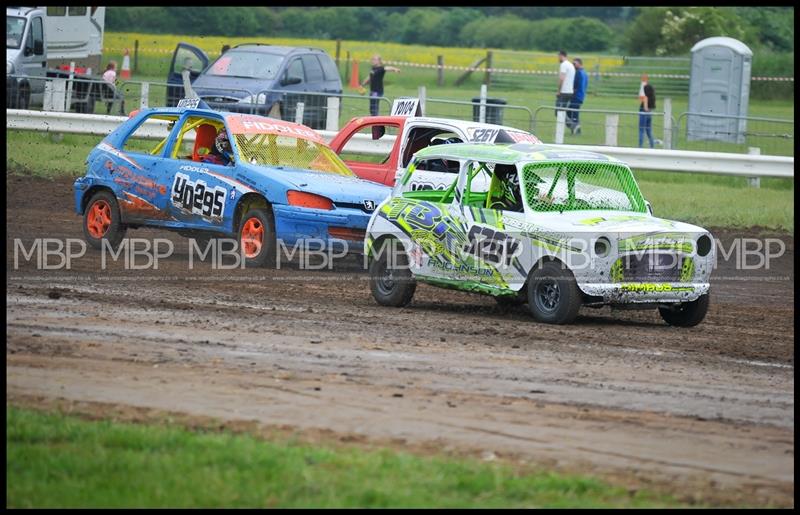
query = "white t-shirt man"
{"x": 566, "y": 71}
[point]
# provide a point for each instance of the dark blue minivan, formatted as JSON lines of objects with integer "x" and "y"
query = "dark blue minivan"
{"x": 259, "y": 79}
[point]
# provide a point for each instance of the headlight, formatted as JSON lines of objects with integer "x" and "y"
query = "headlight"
{"x": 602, "y": 247}
{"x": 9, "y": 67}
{"x": 704, "y": 245}
{"x": 261, "y": 98}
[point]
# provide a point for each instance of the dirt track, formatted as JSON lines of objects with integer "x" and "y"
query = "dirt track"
{"x": 706, "y": 412}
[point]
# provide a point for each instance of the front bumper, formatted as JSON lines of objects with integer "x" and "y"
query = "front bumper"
{"x": 624, "y": 293}
{"x": 340, "y": 230}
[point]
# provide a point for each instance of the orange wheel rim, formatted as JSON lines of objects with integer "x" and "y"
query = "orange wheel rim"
{"x": 99, "y": 219}
{"x": 252, "y": 237}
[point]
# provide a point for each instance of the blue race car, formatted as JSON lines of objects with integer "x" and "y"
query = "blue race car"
{"x": 258, "y": 180}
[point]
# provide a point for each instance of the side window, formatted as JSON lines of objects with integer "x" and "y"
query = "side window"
{"x": 77, "y": 11}
{"x": 185, "y": 58}
{"x": 423, "y": 137}
{"x": 296, "y": 70}
{"x": 196, "y": 139}
{"x": 479, "y": 176}
{"x": 140, "y": 141}
{"x": 38, "y": 36}
{"x": 416, "y": 183}
{"x": 56, "y": 11}
{"x": 438, "y": 165}
{"x": 353, "y": 150}
{"x": 313, "y": 68}
{"x": 329, "y": 68}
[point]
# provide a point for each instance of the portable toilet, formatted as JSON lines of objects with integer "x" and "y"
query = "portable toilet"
{"x": 719, "y": 85}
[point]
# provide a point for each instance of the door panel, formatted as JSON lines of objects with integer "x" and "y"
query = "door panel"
{"x": 185, "y": 56}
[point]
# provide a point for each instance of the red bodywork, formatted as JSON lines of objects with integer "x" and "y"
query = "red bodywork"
{"x": 377, "y": 172}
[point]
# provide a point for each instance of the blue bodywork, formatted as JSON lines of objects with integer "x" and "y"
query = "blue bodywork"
{"x": 150, "y": 189}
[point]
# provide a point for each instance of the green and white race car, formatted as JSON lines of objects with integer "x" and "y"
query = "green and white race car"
{"x": 528, "y": 223}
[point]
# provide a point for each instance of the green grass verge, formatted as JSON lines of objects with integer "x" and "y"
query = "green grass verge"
{"x": 55, "y": 460}
{"x": 707, "y": 200}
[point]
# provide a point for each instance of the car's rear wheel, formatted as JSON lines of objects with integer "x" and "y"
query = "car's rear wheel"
{"x": 390, "y": 279}
{"x": 553, "y": 295}
{"x": 102, "y": 221}
{"x": 257, "y": 238}
{"x": 686, "y": 314}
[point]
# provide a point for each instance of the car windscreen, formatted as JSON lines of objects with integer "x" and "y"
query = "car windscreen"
{"x": 583, "y": 185}
{"x": 15, "y": 28}
{"x": 248, "y": 65}
{"x": 286, "y": 151}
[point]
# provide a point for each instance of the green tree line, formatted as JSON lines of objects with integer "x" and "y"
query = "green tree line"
{"x": 628, "y": 30}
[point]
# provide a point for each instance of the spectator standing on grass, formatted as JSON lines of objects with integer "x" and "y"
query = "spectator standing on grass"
{"x": 566, "y": 81}
{"x": 375, "y": 79}
{"x": 110, "y": 77}
{"x": 579, "y": 94}
{"x": 647, "y": 99}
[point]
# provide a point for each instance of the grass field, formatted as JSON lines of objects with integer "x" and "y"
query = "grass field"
{"x": 533, "y": 95}
{"x": 55, "y": 460}
{"x": 711, "y": 201}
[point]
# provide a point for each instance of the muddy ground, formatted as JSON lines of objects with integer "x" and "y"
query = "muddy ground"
{"x": 705, "y": 413}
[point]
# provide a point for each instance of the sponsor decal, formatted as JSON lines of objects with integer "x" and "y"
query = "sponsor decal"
{"x": 125, "y": 176}
{"x": 197, "y": 197}
{"x": 653, "y": 287}
{"x": 369, "y": 205}
{"x": 522, "y": 137}
{"x": 248, "y": 124}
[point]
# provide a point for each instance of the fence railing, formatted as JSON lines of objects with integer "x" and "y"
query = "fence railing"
{"x": 717, "y": 163}
{"x": 691, "y": 131}
{"x": 774, "y": 136}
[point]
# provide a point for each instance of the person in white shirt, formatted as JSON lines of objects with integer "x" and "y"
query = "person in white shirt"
{"x": 566, "y": 78}
{"x": 110, "y": 77}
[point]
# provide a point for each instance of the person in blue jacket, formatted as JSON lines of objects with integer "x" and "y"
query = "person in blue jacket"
{"x": 580, "y": 85}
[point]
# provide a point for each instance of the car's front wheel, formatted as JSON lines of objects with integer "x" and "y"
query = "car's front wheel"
{"x": 102, "y": 221}
{"x": 390, "y": 279}
{"x": 257, "y": 238}
{"x": 686, "y": 314}
{"x": 553, "y": 295}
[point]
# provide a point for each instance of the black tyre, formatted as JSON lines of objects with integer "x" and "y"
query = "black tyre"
{"x": 553, "y": 295}
{"x": 102, "y": 221}
{"x": 686, "y": 314}
{"x": 392, "y": 284}
{"x": 257, "y": 238}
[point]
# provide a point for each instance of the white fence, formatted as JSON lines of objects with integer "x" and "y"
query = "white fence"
{"x": 721, "y": 163}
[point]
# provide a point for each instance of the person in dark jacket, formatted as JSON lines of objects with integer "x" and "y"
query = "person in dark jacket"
{"x": 647, "y": 99}
{"x": 579, "y": 94}
{"x": 375, "y": 79}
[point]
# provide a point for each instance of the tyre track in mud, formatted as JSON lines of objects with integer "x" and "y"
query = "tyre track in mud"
{"x": 711, "y": 405}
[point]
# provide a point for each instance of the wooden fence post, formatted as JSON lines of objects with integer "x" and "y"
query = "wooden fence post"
{"x": 440, "y": 64}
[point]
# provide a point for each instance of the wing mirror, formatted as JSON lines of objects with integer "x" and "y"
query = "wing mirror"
{"x": 288, "y": 81}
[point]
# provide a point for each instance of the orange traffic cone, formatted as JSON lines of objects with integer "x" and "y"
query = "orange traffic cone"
{"x": 125, "y": 72}
{"x": 355, "y": 83}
